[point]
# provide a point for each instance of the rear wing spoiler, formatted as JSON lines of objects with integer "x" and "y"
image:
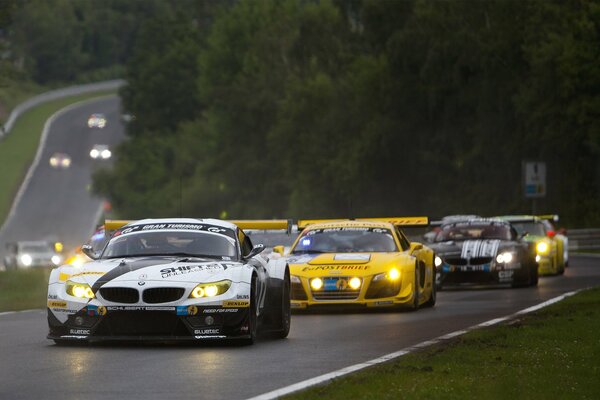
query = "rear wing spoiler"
{"x": 263, "y": 224}
{"x": 550, "y": 217}
{"x": 530, "y": 218}
{"x": 250, "y": 224}
{"x": 397, "y": 221}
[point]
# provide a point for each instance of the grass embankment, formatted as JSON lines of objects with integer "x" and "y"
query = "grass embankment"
{"x": 551, "y": 354}
{"x": 18, "y": 148}
{"x": 24, "y": 289}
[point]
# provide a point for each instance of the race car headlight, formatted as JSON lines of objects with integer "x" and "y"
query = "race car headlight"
{"x": 316, "y": 283}
{"x": 355, "y": 283}
{"x": 26, "y": 260}
{"x": 55, "y": 259}
{"x": 210, "y": 289}
{"x": 295, "y": 279}
{"x": 438, "y": 261}
{"x": 504, "y": 258}
{"x": 94, "y": 153}
{"x": 81, "y": 290}
{"x": 393, "y": 275}
{"x": 542, "y": 248}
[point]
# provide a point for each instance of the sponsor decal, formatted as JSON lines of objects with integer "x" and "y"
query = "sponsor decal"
{"x": 79, "y": 331}
{"x": 62, "y": 277}
{"x": 243, "y": 296}
{"x": 52, "y": 297}
{"x": 340, "y": 284}
{"x": 138, "y": 308}
{"x": 351, "y": 256}
{"x": 188, "y": 269}
{"x": 336, "y": 268}
{"x": 384, "y": 303}
{"x": 219, "y": 310}
{"x": 192, "y": 310}
{"x": 57, "y": 304}
{"x": 101, "y": 310}
{"x": 175, "y": 226}
{"x": 505, "y": 276}
{"x": 479, "y": 248}
{"x": 467, "y": 268}
{"x": 212, "y": 331}
{"x": 236, "y": 303}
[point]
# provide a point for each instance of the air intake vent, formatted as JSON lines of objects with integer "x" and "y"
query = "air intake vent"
{"x": 162, "y": 295}
{"x": 120, "y": 295}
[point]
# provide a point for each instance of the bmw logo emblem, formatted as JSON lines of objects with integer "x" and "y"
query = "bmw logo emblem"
{"x": 141, "y": 283}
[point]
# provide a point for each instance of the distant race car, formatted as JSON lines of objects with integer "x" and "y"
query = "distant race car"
{"x": 171, "y": 280}
{"x": 100, "y": 151}
{"x": 429, "y": 237}
{"x": 96, "y": 120}
{"x": 551, "y": 246}
{"x": 483, "y": 252}
{"x": 60, "y": 161}
{"x": 364, "y": 263}
{"x": 29, "y": 254}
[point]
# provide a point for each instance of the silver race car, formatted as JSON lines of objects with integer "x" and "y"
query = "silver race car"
{"x": 172, "y": 280}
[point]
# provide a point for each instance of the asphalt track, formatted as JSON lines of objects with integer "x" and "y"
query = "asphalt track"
{"x": 57, "y": 203}
{"x": 33, "y": 367}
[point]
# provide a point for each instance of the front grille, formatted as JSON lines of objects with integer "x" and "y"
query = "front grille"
{"x": 146, "y": 323}
{"x": 120, "y": 295}
{"x": 336, "y": 288}
{"x": 298, "y": 292}
{"x": 471, "y": 261}
{"x": 162, "y": 295}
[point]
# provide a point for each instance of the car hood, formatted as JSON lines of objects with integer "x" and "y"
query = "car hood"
{"x": 356, "y": 264}
{"x": 472, "y": 248}
{"x": 163, "y": 269}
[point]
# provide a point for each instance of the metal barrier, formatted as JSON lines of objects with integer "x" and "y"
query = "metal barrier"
{"x": 584, "y": 239}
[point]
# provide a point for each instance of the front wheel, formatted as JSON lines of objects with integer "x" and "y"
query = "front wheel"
{"x": 433, "y": 295}
{"x": 252, "y": 314}
{"x": 285, "y": 311}
{"x": 414, "y": 306}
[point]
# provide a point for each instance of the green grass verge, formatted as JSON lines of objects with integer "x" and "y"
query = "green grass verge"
{"x": 24, "y": 289}
{"x": 18, "y": 148}
{"x": 551, "y": 354}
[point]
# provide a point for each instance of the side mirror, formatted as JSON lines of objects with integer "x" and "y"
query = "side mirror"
{"x": 89, "y": 251}
{"x": 414, "y": 246}
{"x": 279, "y": 249}
{"x": 257, "y": 249}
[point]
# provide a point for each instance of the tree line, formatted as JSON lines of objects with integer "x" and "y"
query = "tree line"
{"x": 343, "y": 108}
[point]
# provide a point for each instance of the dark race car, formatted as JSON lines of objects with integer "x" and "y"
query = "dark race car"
{"x": 483, "y": 252}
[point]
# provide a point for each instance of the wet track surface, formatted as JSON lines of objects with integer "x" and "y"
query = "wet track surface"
{"x": 57, "y": 203}
{"x": 33, "y": 367}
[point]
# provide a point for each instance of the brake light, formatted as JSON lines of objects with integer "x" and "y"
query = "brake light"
{"x": 551, "y": 234}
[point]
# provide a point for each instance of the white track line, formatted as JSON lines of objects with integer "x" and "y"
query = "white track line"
{"x": 16, "y": 312}
{"x": 296, "y": 387}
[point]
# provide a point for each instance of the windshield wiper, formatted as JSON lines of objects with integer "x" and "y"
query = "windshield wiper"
{"x": 190, "y": 255}
{"x": 311, "y": 252}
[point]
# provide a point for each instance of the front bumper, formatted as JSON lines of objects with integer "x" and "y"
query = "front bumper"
{"x": 146, "y": 323}
{"x": 479, "y": 275}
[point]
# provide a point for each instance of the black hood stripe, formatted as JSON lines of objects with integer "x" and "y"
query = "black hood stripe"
{"x": 129, "y": 266}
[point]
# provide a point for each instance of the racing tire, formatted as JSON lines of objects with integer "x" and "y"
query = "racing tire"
{"x": 252, "y": 314}
{"x": 284, "y": 313}
{"x": 414, "y": 306}
{"x": 433, "y": 296}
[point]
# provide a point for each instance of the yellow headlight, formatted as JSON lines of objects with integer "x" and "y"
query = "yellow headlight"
{"x": 542, "y": 248}
{"x": 316, "y": 283}
{"x": 394, "y": 274}
{"x": 355, "y": 283}
{"x": 210, "y": 289}
{"x": 81, "y": 290}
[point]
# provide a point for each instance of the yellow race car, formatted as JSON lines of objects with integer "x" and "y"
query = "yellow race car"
{"x": 364, "y": 262}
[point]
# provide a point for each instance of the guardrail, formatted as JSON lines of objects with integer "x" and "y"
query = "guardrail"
{"x": 56, "y": 94}
{"x": 584, "y": 239}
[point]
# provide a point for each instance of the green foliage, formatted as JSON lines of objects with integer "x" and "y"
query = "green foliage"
{"x": 361, "y": 108}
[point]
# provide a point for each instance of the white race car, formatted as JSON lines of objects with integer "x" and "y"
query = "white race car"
{"x": 171, "y": 280}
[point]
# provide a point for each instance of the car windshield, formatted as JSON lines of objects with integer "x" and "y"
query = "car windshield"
{"x": 474, "y": 232}
{"x": 531, "y": 228}
{"x": 36, "y": 248}
{"x": 176, "y": 243}
{"x": 346, "y": 240}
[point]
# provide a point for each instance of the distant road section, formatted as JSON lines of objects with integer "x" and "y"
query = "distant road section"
{"x": 57, "y": 203}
